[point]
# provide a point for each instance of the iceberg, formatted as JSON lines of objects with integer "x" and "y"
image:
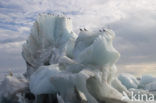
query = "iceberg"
{"x": 65, "y": 67}
{"x": 11, "y": 86}
{"x": 44, "y": 86}
{"x": 48, "y": 42}
{"x": 151, "y": 86}
{"x": 146, "y": 79}
{"x": 128, "y": 80}
{"x": 58, "y": 60}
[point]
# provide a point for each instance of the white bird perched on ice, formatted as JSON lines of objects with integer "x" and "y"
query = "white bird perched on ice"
{"x": 81, "y": 30}
{"x": 85, "y": 29}
{"x": 104, "y": 30}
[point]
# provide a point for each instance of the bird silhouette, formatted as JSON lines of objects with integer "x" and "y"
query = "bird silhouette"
{"x": 81, "y": 30}
{"x": 104, "y": 30}
{"x": 85, "y": 29}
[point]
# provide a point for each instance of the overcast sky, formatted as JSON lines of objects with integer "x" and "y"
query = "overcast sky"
{"x": 134, "y": 22}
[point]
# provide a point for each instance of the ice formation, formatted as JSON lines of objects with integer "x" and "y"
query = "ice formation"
{"x": 59, "y": 61}
{"x": 69, "y": 68}
{"x": 11, "y": 85}
{"x": 151, "y": 86}
{"x": 128, "y": 80}
{"x": 146, "y": 79}
{"x": 51, "y": 37}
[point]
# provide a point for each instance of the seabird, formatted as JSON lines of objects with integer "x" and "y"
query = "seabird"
{"x": 81, "y": 30}
{"x": 100, "y": 31}
{"x": 85, "y": 29}
{"x": 104, "y": 30}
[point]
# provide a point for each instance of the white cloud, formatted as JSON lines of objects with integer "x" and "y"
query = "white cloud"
{"x": 139, "y": 69}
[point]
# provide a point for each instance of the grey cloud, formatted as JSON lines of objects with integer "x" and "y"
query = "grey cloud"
{"x": 134, "y": 22}
{"x": 139, "y": 39}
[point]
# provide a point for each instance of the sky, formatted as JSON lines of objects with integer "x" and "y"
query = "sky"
{"x": 133, "y": 21}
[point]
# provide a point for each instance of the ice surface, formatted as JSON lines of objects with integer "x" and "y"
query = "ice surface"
{"x": 128, "y": 80}
{"x": 50, "y": 79}
{"x": 40, "y": 80}
{"x": 146, "y": 79}
{"x": 151, "y": 86}
{"x": 47, "y": 41}
{"x": 11, "y": 84}
{"x": 96, "y": 48}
